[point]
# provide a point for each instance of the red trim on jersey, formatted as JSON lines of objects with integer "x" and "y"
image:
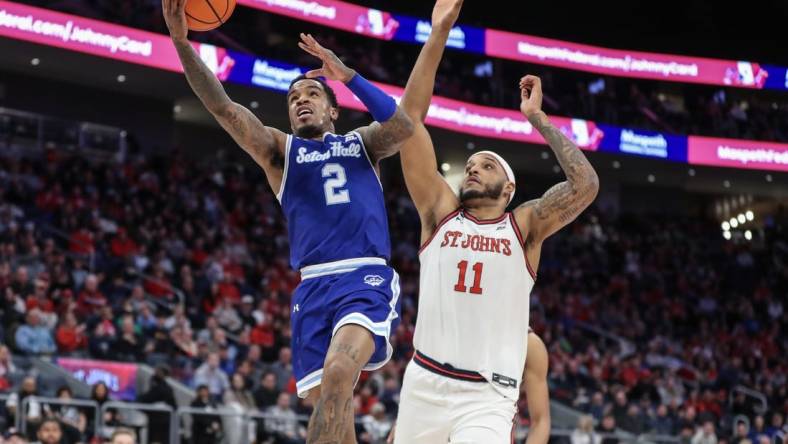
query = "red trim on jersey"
{"x": 434, "y": 366}
{"x": 470, "y": 217}
{"x": 437, "y": 228}
{"x": 522, "y": 244}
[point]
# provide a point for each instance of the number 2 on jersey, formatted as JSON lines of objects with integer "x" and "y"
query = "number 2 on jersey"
{"x": 478, "y": 267}
{"x": 336, "y": 180}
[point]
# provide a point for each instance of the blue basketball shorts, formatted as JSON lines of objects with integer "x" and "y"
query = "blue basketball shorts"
{"x": 336, "y": 294}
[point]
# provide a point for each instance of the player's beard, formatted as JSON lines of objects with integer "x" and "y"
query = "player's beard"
{"x": 309, "y": 131}
{"x": 493, "y": 191}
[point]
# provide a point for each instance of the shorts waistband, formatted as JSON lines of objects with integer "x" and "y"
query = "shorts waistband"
{"x": 446, "y": 370}
{"x": 337, "y": 267}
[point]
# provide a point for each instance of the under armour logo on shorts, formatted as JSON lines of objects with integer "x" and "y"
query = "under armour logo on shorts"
{"x": 373, "y": 280}
{"x": 296, "y": 308}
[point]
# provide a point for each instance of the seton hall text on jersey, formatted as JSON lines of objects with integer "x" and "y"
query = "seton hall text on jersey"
{"x": 337, "y": 149}
{"x": 476, "y": 242}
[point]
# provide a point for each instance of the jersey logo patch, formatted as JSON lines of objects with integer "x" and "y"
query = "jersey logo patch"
{"x": 504, "y": 380}
{"x": 373, "y": 280}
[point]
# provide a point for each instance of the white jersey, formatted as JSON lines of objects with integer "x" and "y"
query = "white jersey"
{"x": 474, "y": 298}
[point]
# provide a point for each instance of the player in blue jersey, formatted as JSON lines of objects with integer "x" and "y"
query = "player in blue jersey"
{"x": 328, "y": 186}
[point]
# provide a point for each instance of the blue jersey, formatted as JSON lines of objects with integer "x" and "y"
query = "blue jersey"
{"x": 333, "y": 201}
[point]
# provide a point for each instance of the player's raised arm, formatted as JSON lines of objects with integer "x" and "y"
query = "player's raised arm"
{"x": 421, "y": 83}
{"x": 391, "y": 126}
{"x": 536, "y": 390}
{"x": 432, "y": 196}
{"x": 264, "y": 144}
{"x": 562, "y": 203}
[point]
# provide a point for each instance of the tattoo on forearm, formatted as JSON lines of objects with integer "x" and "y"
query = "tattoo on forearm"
{"x": 200, "y": 78}
{"x": 384, "y": 138}
{"x": 568, "y": 199}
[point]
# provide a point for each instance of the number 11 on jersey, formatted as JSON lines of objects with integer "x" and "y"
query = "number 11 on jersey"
{"x": 478, "y": 267}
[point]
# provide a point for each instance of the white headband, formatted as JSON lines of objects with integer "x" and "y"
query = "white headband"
{"x": 506, "y": 168}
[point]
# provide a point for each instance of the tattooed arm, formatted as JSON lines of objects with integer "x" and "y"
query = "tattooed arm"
{"x": 264, "y": 144}
{"x": 562, "y": 203}
{"x": 385, "y": 139}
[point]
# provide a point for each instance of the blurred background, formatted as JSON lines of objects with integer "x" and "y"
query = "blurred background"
{"x": 144, "y": 261}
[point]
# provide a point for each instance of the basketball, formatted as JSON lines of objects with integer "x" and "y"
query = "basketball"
{"x": 204, "y": 15}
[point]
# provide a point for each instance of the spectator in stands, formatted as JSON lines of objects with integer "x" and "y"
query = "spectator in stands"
{"x": 281, "y": 422}
{"x": 122, "y": 246}
{"x": 70, "y": 335}
{"x": 608, "y": 427}
{"x": 597, "y": 407}
{"x": 104, "y": 334}
{"x": 40, "y": 299}
{"x": 705, "y": 434}
{"x": 159, "y": 392}
{"x": 122, "y": 435}
{"x": 34, "y": 412}
{"x": 211, "y": 375}
{"x": 758, "y": 429}
{"x": 633, "y": 420}
{"x": 663, "y": 422}
{"x": 100, "y": 394}
{"x": 72, "y": 420}
{"x": 146, "y": 318}
{"x": 7, "y": 367}
{"x": 13, "y": 436}
{"x": 227, "y": 316}
{"x": 206, "y": 429}
{"x": 21, "y": 284}
{"x": 265, "y": 396}
{"x": 254, "y": 359}
{"x": 283, "y": 368}
{"x": 239, "y": 395}
{"x": 239, "y": 399}
{"x": 246, "y": 310}
{"x": 34, "y": 338}
{"x": 741, "y": 433}
{"x": 50, "y": 432}
{"x": 584, "y": 433}
{"x": 376, "y": 425}
{"x": 777, "y": 425}
{"x": 91, "y": 300}
{"x": 128, "y": 345}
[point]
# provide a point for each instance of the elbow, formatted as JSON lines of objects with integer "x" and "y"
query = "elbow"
{"x": 593, "y": 183}
{"x": 588, "y": 186}
{"x": 221, "y": 109}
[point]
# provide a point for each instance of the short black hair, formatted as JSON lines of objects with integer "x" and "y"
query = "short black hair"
{"x": 332, "y": 96}
{"x": 50, "y": 420}
{"x": 65, "y": 388}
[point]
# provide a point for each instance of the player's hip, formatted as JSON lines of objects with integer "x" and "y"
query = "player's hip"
{"x": 437, "y": 408}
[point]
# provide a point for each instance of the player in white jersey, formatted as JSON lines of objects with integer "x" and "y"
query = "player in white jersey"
{"x": 478, "y": 266}
{"x": 536, "y": 392}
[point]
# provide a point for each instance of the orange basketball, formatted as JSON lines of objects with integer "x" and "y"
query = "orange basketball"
{"x": 204, "y": 15}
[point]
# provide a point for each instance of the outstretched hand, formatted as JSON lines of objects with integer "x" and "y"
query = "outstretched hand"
{"x": 530, "y": 95}
{"x": 175, "y": 18}
{"x": 445, "y": 14}
{"x": 332, "y": 68}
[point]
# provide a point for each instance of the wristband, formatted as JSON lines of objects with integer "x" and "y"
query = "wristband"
{"x": 378, "y": 103}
